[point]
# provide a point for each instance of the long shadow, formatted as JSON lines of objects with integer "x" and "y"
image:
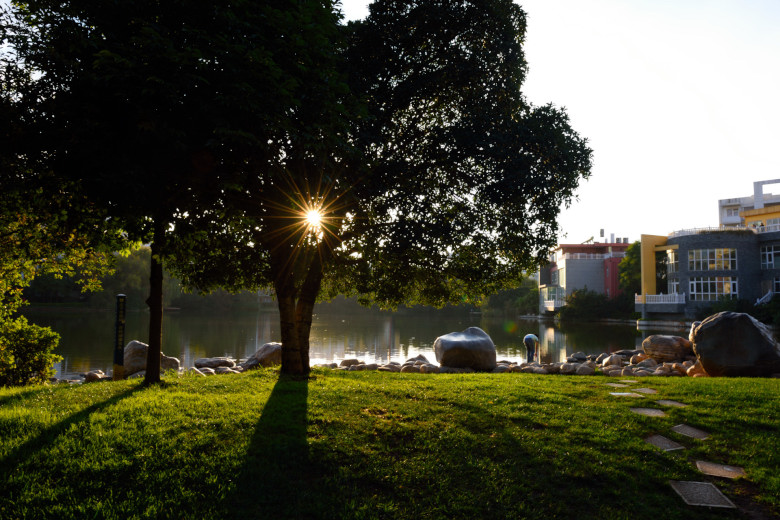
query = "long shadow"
{"x": 278, "y": 476}
{"x": 11, "y": 462}
{"x": 18, "y": 396}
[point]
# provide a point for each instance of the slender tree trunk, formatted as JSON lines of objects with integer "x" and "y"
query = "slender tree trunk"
{"x": 155, "y": 303}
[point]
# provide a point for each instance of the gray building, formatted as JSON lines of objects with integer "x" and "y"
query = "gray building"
{"x": 592, "y": 266}
{"x": 704, "y": 266}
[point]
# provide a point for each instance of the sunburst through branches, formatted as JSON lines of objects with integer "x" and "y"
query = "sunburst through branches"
{"x": 314, "y": 220}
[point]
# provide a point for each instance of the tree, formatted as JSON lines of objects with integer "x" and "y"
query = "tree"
{"x": 455, "y": 188}
{"x": 36, "y": 239}
{"x": 630, "y": 270}
{"x": 154, "y": 112}
{"x": 267, "y": 146}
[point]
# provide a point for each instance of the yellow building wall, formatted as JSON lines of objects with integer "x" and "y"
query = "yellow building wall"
{"x": 758, "y": 217}
{"x": 648, "y": 245}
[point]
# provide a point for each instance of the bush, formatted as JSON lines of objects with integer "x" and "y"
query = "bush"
{"x": 586, "y": 305}
{"x": 26, "y": 352}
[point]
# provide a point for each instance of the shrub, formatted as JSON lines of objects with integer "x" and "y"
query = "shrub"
{"x": 26, "y": 352}
{"x": 586, "y": 305}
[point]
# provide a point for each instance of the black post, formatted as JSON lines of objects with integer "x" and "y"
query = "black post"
{"x": 119, "y": 339}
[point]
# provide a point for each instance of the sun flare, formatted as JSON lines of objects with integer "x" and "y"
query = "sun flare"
{"x": 314, "y": 219}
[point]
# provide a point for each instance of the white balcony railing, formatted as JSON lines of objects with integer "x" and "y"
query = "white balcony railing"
{"x": 553, "y": 305}
{"x": 698, "y": 231}
{"x": 591, "y": 256}
{"x": 671, "y": 299}
{"x": 771, "y": 228}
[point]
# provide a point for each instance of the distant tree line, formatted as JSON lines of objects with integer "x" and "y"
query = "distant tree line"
{"x": 131, "y": 278}
{"x": 522, "y": 300}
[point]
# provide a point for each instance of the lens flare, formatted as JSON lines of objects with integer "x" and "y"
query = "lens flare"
{"x": 314, "y": 219}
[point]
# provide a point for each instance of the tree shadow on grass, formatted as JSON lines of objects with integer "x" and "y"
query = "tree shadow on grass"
{"x": 278, "y": 479}
{"x": 18, "y": 457}
{"x": 11, "y": 398}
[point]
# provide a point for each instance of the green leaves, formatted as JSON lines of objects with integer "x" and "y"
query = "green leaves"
{"x": 466, "y": 179}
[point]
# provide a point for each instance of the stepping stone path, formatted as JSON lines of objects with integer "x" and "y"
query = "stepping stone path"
{"x": 720, "y": 470}
{"x": 659, "y": 441}
{"x": 690, "y": 431}
{"x": 649, "y": 412}
{"x": 646, "y": 390}
{"x": 701, "y": 494}
{"x": 669, "y": 402}
{"x": 693, "y": 493}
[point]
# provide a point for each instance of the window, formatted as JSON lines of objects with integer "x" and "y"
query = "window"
{"x": 732, "y": 212}
{"x": 554, "y": 278}
{"x": 776, "y": 285}
{"x": 672, "y": 261}
{"x": 773, "y": 224}
{"x": 768, "y": 254}
{"x": 710, "y": 288}
{"x": 712, "y": 259}
{"x": 674, "y": 286}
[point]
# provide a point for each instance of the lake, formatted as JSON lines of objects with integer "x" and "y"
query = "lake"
{"x": 338, "y": 332}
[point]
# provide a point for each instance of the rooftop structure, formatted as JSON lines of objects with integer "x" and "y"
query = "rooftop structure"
{"x": 730, "y": 211}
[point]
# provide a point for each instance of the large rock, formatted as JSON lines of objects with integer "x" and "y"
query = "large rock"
{"x": 696, "y": 370}
{"x": 667, "y": 348}
{"x": 135, "y": 359}
{"x": 268, "y": 355}
{"x": 735, "y": 344}
{"x": 471, "y": 348}
{"x": 214, "y": 362}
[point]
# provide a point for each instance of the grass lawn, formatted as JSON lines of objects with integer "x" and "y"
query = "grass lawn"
{"x": 380, "y": 445}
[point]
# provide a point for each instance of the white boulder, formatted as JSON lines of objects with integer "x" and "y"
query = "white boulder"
{"x": 471, "y": 348}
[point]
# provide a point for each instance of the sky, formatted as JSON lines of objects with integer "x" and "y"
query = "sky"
{"x": 679, "y": 100}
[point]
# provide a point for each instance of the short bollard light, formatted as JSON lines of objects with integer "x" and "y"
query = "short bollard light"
{"x": 119, "y": 338}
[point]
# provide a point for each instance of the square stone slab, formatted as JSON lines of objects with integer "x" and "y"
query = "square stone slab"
{"x": 616, "y": 385}
{"x": 701, "y": 494}
{"x": 659, "y": 441}
{"x": 625, "y": 394}
{"x": 646, "y": 390}
{"x": 720, "y": 470}
{"x": 669, "y": 402}
{"x": 690, "y": 431}
{"x": 628, "y": 381}
{"x": 650, "y": 412}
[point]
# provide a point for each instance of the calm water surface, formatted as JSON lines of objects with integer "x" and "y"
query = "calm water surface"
{"x": 87, "y": 336}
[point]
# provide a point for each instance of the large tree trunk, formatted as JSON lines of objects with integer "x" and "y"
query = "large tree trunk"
{"x": 296, "y": 306}
{"x": 155, "y": 303}
{"x": 292, "y": 361}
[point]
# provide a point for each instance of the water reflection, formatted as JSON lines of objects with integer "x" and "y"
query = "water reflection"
{"x": 87, "y": 337}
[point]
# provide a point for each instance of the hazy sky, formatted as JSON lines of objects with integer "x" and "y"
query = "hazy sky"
{"x": 679, "y": 99}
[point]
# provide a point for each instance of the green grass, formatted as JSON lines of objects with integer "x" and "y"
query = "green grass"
{"x": 375, "y": 445}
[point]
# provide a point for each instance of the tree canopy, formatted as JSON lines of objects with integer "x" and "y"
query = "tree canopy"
{"x": 214, "y": 131}
{"x": 630, "y": 270}
{"x": 152, "y": 112}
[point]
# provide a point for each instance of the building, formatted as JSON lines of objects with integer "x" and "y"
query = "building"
{"x": 731, "y": 211}
{"x": 580, "y": 266}
{"x": 706, "y": 265}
